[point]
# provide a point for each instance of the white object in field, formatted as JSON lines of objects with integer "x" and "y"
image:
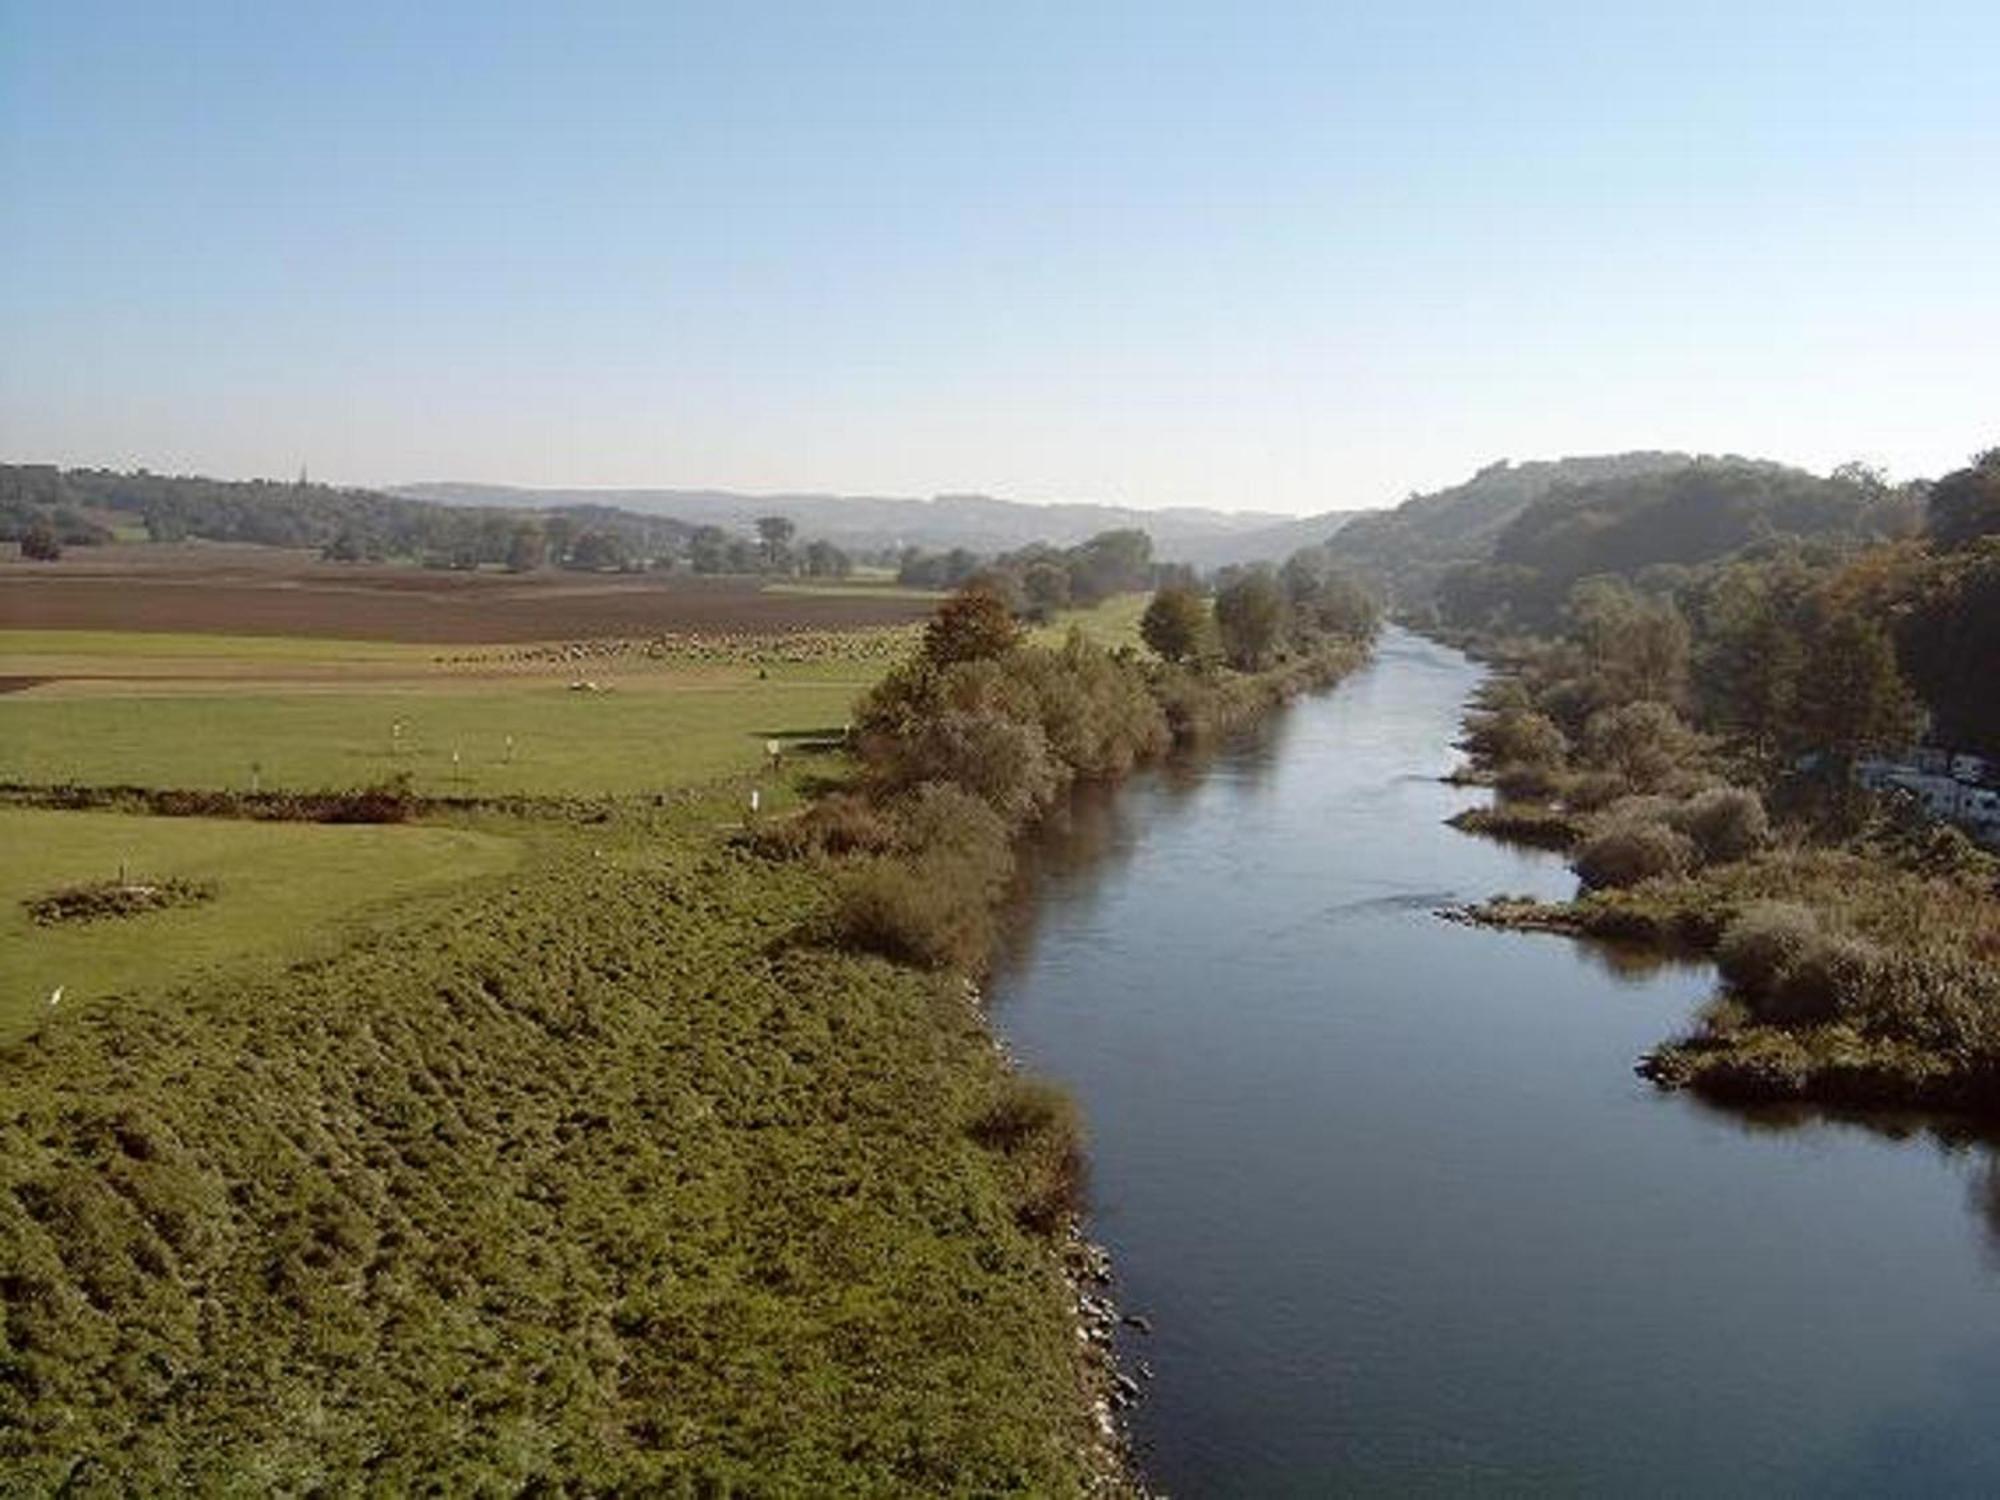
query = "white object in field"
{"x": 510, "y": 747}
{"x": 756, "y": 799}
{"x": 55, "y": 995}
{"x": 771, "y": 748}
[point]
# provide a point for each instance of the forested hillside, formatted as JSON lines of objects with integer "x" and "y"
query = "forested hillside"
{"x": 1410, "y": 546}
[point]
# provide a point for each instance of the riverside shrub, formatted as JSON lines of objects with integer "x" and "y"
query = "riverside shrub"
{"x": 1727, "y": 823}
{"x": 1628, "y": 852}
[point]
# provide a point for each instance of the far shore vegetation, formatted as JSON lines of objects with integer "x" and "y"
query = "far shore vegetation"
{"x": 1693, "y": 735}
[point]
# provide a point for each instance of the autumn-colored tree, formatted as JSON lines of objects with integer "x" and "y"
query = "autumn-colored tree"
{"x": 973, "y": 624}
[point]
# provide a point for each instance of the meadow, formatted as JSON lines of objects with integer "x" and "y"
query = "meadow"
{"x": 273, "y": 714}
{"x": 554, "y": 1145}
{"x": 610, "y": 1180}
{"x": 282, "y": 892}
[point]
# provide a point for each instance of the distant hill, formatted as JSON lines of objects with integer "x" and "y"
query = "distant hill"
{"x": 1511, "y": 541}
{"x": 1410, "y": 546}
{"x": 978, "y": 523}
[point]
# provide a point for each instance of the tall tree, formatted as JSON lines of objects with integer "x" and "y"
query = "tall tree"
{"x": 1174, "y": 623}
{"x": 774, "y": 541}
{"x": 1250, "y": 618}
{"x": 1965, "y": 504}
{"x": 1851, "y": 698}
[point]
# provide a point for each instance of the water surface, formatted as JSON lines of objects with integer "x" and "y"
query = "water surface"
{"x": 1402, "y": 1216}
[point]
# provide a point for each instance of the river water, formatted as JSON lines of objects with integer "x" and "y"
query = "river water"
{"x": 1402, "y": 1217}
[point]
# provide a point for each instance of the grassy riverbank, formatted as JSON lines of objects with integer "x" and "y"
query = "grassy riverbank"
{"x": 613, "y": 1174}
{"x": 622, "y": 1159}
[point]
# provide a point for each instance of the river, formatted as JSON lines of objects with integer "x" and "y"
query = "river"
{"x": 1400, "y": 1214}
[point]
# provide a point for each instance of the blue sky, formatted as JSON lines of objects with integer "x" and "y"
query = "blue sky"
{"x": 1278, "y": 257}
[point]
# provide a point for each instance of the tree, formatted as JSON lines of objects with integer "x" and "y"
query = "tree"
{"x": 972, "y": 625}
{"x": 824, "y": 560}
{"x": 528, "y": 550}
{"x": 1965, "y": 504}
{"x": 560, "y": 532}
{"x": 39, "y": 543}
{"x": 774, "y": 541}
{"x": 1174, "y": 623}
{"x": 708, "y": 550}
{"x": 1112, "y": 562}
{"x": 597, "y": 550}
{"x": 1637, "y": 647}
{"x": 1250, "y": 617}
{"x": 1046, "y": 587}
{"x": 1851, "y": 698}
{"x": 1645, "y": 743}
{"x": 346, "y": 546}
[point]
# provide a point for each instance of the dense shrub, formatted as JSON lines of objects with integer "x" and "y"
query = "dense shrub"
{"x": 938, "y": 818}
{"x": 1764, "y": 943}
{"x": 1515, "y": 736}
{"x": 1644, "y": 742}
{"x": 1175, "y": 624}
{"x": 935, "y": 912}
{"x": 1037, "y": 1127}
{"x": 931, "y": 904}
{"x": 1593, "y": 791}
{"x": 1726, "y": 823}
{"x": 115, "y": 898}
{"x": 838, "y": 823}
{"x": 1787, "y": 970}
{"x": 1625, "y": 853}
{"x": 1518, "y": 782}
{"x": 999, "y": 759}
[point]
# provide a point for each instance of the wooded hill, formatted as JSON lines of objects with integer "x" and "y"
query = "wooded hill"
{"x": 1506, "y": 546}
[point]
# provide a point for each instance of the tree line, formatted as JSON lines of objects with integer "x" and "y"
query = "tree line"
{"x": 45, "y": 508}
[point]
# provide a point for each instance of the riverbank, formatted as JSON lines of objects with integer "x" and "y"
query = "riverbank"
{"x": 1858, "y": 948}
{"x": 606, "y": 1171}
{"x": 1307, "y": 1097}
{"x": 961, "y": 753}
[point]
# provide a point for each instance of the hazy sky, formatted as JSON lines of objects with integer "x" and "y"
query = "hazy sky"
{"x": 1283, "y": 257}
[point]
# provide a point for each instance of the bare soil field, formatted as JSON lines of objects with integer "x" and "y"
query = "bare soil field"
{"x": 227, "y": 590}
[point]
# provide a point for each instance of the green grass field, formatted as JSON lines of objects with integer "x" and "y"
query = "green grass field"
{"x": 1113, "y": 623}
{"x": 284, "y": 890}
{"x": 248, "y": 649}
{"x": 636, "y": 738}
{"x": 610, "y": 1183}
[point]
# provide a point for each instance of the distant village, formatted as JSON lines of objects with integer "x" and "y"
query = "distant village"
{"x": 1958, "y": 788}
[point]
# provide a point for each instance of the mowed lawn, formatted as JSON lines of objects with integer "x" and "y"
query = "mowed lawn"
{"x": 283, "y": 891}
{"x": 532, "y": 735}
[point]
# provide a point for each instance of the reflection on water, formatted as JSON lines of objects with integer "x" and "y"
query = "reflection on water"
{"x": 1386, "y": 1186}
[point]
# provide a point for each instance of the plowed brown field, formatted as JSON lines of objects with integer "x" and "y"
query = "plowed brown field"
{"x": 258, "y": 591}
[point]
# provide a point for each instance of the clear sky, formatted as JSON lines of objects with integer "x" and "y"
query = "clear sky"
{"x": 1257, "y": 256}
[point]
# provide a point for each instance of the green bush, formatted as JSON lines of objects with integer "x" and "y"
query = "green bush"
{"x": 936, "y": 912}
{"x": 1037, "y": 1127}
{"x": 1626, "y": 853}
{"x": 1727, "y": 823}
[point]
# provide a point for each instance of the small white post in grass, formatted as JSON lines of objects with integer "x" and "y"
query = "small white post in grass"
{"x": 756, "y": 801}
{"x": 775, "y": 752}
{"x": 510, "y": 749}
{"x": 396, "y": 737}
{"x": 454, "y": 764}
